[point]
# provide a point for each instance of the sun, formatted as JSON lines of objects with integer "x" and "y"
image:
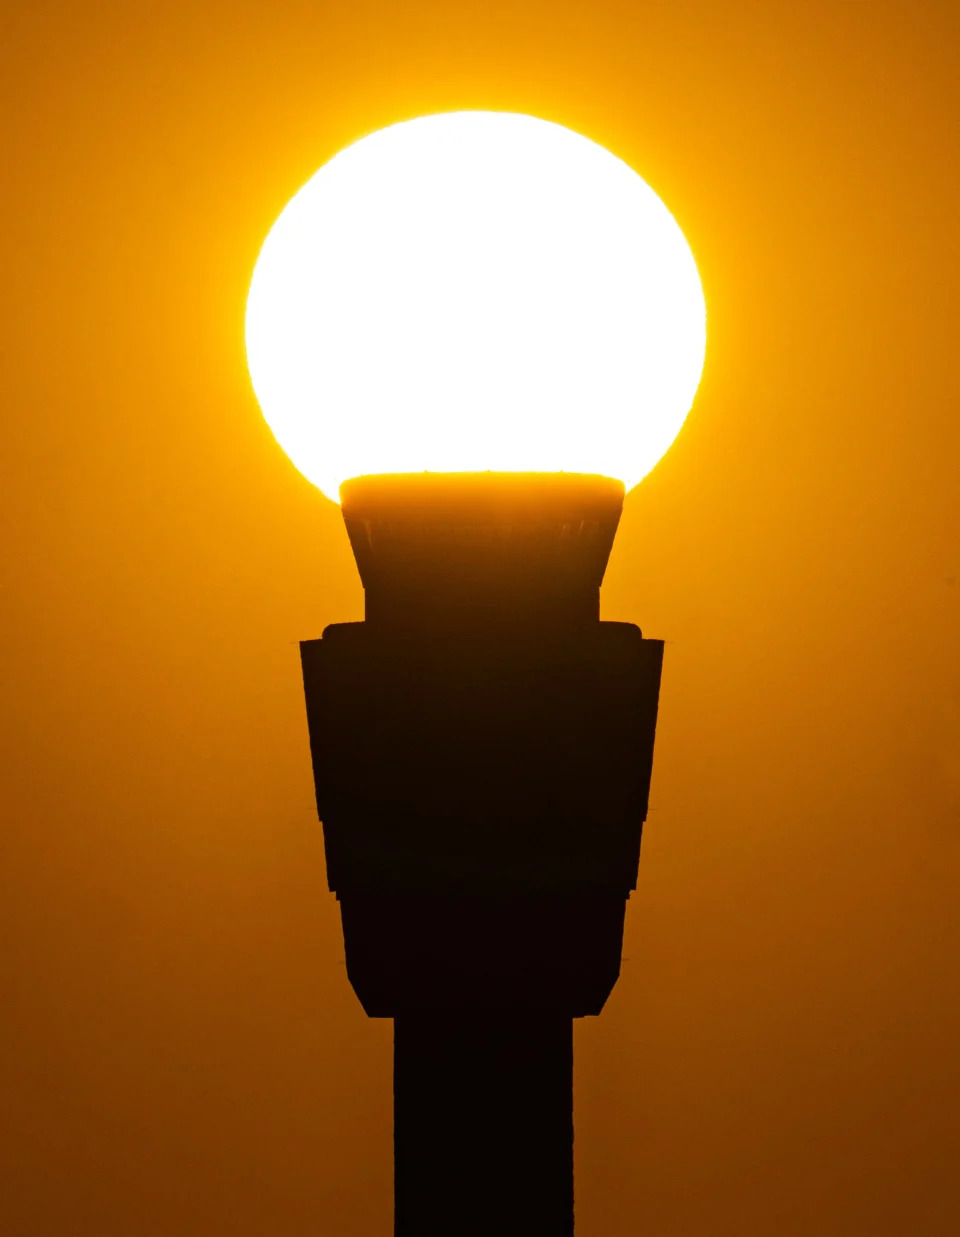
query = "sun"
{"x": 475, "y": 291}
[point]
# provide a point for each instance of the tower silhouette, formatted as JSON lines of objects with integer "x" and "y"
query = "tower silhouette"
{"x": 482, "y": 747}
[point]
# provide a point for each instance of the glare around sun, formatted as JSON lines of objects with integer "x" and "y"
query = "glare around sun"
{"x": 473, "y": 291}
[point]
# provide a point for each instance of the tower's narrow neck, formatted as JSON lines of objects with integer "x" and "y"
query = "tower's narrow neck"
{"x": 483, "y": 1126}
{"x": 482, "y": 551}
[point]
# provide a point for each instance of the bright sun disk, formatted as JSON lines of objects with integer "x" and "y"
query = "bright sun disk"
{"x": 474, "y": 291}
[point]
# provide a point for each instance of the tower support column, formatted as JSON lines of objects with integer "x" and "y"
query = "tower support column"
{"x": 483, "y": 1125}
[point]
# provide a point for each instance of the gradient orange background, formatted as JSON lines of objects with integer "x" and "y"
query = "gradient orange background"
{"x": 181, "y": 1052}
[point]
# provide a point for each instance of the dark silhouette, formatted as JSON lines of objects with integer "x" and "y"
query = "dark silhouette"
{"x": 482, "y": 747}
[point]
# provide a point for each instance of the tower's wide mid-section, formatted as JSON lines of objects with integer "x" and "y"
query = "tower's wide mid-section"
{"x": 482, "y": 746}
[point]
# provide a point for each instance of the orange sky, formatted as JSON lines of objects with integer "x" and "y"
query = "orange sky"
{"x": 181, "y": 1052}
